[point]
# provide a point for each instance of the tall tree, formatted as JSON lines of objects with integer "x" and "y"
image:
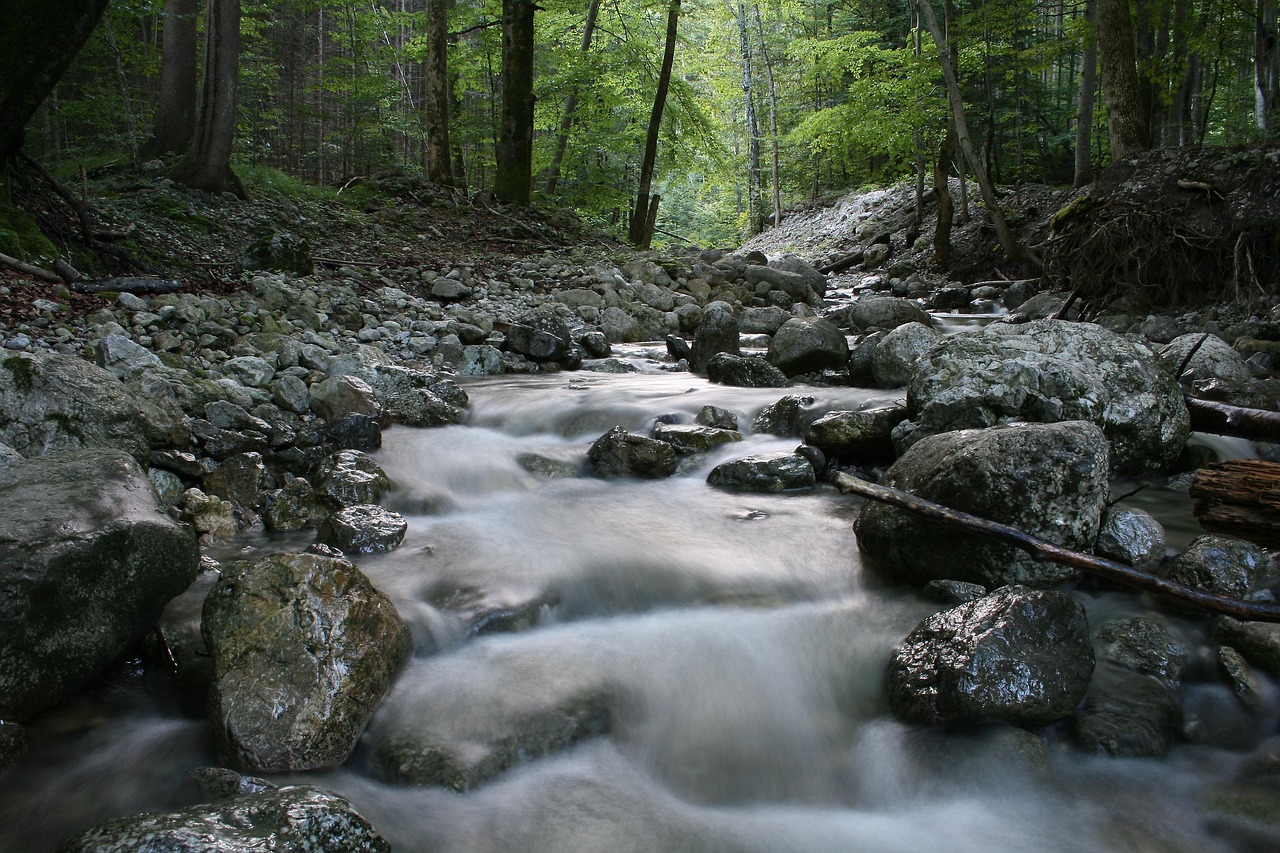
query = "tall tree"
{"x": 1127, "y": 120}
{"x": 640, "y": 232}
{"x": 754, "y": 215}
{"x": 774, "y": 169}
{"x": 1084, "y": 113}
{"x": 514, "y": 179}
{"x": 1012, "y": 248}
{"x": 1266, "y": 64}
{"x": 37, "y": 43}
{"x": 571, "y": 103}
{"x": 439, "y": 93}
{"x": 208, "y": 165}
{"x": 176, "y": 107}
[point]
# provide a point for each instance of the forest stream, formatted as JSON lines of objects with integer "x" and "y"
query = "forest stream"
{"x": 735, "y": 640}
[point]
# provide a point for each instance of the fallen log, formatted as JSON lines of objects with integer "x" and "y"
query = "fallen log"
{"x": 1240, "y": 497}
{"x": 28, "y": 269}
{"x": 1041, "y": 550}
{"x": 1225, "y": 419}
{"x": 128, "y": 285}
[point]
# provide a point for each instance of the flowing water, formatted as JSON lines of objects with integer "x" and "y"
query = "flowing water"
{"x": 738, "y": 638}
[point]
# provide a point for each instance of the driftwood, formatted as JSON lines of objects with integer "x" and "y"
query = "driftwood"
{"x": 852, "y": 260}
{"x": 1225, "y": 419}
{"x": 28, "y": 269}
{"x": 128, "y": 285}
{"x": 1240, "y": 497}
{"x": 1039, "y": 549}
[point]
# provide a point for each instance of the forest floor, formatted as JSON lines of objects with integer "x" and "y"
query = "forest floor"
{"x": 1171, "y": 225}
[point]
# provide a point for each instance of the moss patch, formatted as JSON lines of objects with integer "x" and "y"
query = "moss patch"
{"x": 22, "y": 370}
{"x": 20, "y": 236}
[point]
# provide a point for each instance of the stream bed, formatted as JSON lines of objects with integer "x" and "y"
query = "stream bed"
{"x": 738, "y": 636}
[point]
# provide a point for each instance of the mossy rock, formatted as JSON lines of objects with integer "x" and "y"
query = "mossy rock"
{"x": 21, "y": 237}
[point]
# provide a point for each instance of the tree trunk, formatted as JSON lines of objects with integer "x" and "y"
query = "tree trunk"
{"x": 439, "y": 154}
{"x": 1121, "y": 89}
{"x": 1266, "y": 63}
{"x": 1084, "y": 112}
{"x": 514, "y": 179}
{"x": 208, "y": 166}
{"x": 754, "y": 206}
{"x": 774, "y": 170}
{"x": 176, "y": 108}
{"x": 38, "y": 40}
{"x": 1240, "y": 498}
{"x": 571, "y": 103}
{"x": 639, "y": 216}
{"x": 942, "y": 189}
{"x": 1015, "y": 251}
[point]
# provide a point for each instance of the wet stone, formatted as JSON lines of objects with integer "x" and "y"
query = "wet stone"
{"x": 1235, "y": 671}
{"x": 714, "y": 416}
{"x": 365, "y": 529}
{"x": 688, "y": 439}
{"x": 356, "y": 432}
{"x": 744, "y": 372}
{"x": 1131, "y": 536}
{"x": 1219, "y": 564}
{"x": 349, "y": 478}
{"x": 770, "y": 472}
{"x": 617, "y": 453}
{"x": 787, "y": 417}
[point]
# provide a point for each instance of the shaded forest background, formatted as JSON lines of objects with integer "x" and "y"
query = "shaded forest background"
{"x": 770, "y": 104}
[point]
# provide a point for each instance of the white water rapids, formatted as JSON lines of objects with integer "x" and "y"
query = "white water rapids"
{"x": 740, "y": 637}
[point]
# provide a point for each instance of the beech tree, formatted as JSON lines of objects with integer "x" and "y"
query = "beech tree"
{"x": 1127, "y": 120}
{"x": 645, "y": 212}
{"x": 439, "y": 153}
{"x": 208, "y": 165}
{"x": 176, "y": 105}
{"x": 514, "y": 178}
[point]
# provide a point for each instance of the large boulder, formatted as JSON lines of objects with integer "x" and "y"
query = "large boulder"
{"x": 51, "y": 402}
{"x": 745, "y": 371}
{"x": 1213, "y": 358}
{"x": 794, "y": 285}
{"x": 1017, "y": 655}
{"x": 718, "y": 332}
{"x": 302, "y": 819}
{"x": 808, "y": 345}
{"x": 856, "y": 437}
{"x": 88, "y": 559}
{"x": 765, "y": 472}
{"x": 304, "y": 648}
{"x": 618, "y": 453}
{"x": 349, "y": 478}
{"x": 1050, "y": 371}
{"x": 885, "y": 312}
{"x": 1220, "y": 565}
{"x": 1049, "y": 480}
{"x": 897, "y": 353}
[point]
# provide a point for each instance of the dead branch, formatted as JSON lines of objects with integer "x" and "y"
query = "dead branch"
{"x": 1225, "y": 419}
{"x": 28, "y": 269}
{"x": 1044, "y": 551}
{"x": 128, "y": 285}
{"x": 1239, "y": 497}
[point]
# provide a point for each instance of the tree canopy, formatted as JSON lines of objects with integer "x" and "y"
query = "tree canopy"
{"x": 846, "y": 92}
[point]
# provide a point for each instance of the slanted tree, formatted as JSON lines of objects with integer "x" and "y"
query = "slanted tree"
{"x": 176, "y": 107}
{"x": 37, "y": 43}
{"x": 514, "y": 179}
{"x": 644, "y": 214}
{"x": 208, "y": 165}
{"x": 571, "y": 104}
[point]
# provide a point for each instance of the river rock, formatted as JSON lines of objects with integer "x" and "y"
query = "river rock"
{"x": 123, "y": 357}
{"x": 1127, "y": 714}
{"x": 409, "y": 755}
{"x": 790, "y": 263}
{"x": 304, "y": 649}
{"x": 1049, "y": 480}
{"x": 88, "y": 558}
{"x": 363, "y": 529}
{"x": 897, "y": 352}
{"x": 219, "y": 784}
{"x": 1131, "y": 536}
{"x": 792, "y": 284}
{"x": 762, "y": 321}
{"x": 54, "y": 402}
{"x": 856, "y": 437}
{"x": 294, "y": 507}
{"x": 1050, "y": 371}
{"x": 714, "y": 416}
{"x": 238, "y": 479}
{"x": 348, "y": 478}
{"x": 1220, "y": 565}
{"x": 808, "y": 345}
{"x": 209, "y": 515}
{"x": 718, "y": 332}
{"x": 862, "y": 356}
{"x": 885, "y": 312}
{"x": 745, "y": 371}
{"x": 618, "y": 453}
{"x": 290, "y": 818}
{"x": 340, "y": 396}
{"x": 787, "y": 417}
{"x": 13, "y": 742}
{"x": 688, "y": 439}
{"x": 356, "y": 432}
{"x": 1213, "y": 359}
{"x": 1258, "y": 642}
{"x": 767, "y": 472}
{"x": 1018, "y": 655}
